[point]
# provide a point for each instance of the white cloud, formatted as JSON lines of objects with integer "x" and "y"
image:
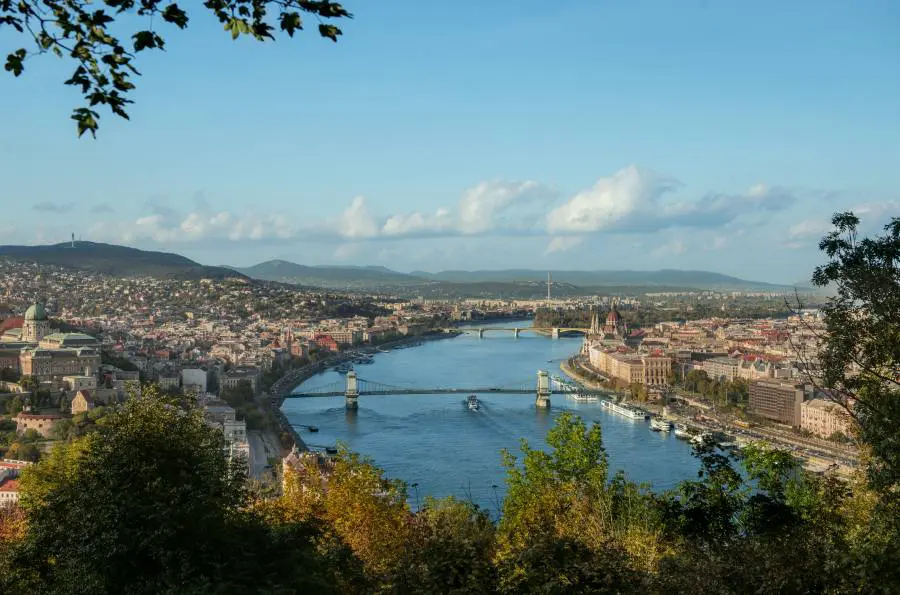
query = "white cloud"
{"x": 481, "y": 205}
{"x": 357, "y": 221}
{"x": 417, "y": 223}
{"x": 673, "y": 248}
{"x": 609, "y": 201}
{"x": 808, "y": 228}
{"x": 632, "y": 200}
{"x": 563, "y": 243}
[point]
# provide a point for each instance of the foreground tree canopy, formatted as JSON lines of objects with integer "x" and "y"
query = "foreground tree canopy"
{"x": 87, "y": 33}
{"x": 144, "y": 502}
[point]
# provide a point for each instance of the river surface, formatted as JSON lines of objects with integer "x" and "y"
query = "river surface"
{"x": 434, "y": 441}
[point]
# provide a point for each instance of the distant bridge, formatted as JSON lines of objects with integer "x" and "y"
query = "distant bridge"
{"x": 355, "y": 387}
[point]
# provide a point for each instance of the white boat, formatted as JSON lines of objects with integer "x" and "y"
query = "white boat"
{"x": 624, "y": 410}
{"x": 681, "y": 431}
{"x": 472, "y": 403}
{"x": 579, "y": 397}
{"x": 658, "y": 424}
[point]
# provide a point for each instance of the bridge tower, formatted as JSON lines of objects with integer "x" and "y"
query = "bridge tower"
{"x": 543, "y": 390}
{"x": 516, "y": 333}
{"x": 555, "y": 333}
{"x": 481, "y": 333}
{"x": 352, "y": 393}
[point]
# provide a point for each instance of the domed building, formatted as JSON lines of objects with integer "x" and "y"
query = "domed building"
{"x": 36, "y": 324}
{"x": 34, "y": 350}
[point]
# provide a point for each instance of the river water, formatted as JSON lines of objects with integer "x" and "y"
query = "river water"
{"x": 434, "y": 441}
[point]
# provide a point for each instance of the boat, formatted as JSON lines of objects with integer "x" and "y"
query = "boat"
{"x": 624, "y": 410}
{"x": 472, "y": 403}
{"x": 580, "y": 397}
{"x": 681, "y": 431}
{"x": 343, "y": 368}
{"x": 658, "y": 424}
{"x": 331, "y": 450}
{"x": 312, "y": 428}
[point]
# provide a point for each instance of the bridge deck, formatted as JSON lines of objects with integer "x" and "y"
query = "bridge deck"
{"x": 434, "y": 391}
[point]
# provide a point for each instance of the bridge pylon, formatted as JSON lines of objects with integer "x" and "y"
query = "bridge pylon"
{"x": 543, "y": 390}
{"x": 516, "y": 332}
{"x": 481, "y": 333}
{"x": 351, "y": 394}
{"x": 554, "y": 333}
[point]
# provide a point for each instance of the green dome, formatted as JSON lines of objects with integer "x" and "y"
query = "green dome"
{"x": 36, "y": 312}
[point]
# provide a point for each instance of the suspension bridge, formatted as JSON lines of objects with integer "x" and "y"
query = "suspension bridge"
{"x": 354, "y": 387}
{"x": 554, "y": 331}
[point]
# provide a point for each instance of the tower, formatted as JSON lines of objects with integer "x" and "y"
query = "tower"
{"x": 549, "y": 283}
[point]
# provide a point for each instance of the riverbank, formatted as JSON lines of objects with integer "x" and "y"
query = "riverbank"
{"x": 815, "y": 457}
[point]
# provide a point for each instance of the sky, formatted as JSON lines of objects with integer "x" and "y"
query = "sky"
{"x": 578, "y": 134}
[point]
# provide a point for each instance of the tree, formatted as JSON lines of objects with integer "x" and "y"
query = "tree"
{"x": 860, "y": 357}
{"x": 564, "y": 527}
{"x": 141, "y": 505}
{"x": 450, "y": 550}
{"x": 86, "y": 33}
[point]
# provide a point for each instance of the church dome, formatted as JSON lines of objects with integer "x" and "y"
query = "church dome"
{"x": 36, "y": 312}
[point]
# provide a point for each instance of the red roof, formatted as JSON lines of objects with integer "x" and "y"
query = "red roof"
{"x": 10, "y": 323}
{"x": 10, "y": 485}
{"x": 39, "y": 416}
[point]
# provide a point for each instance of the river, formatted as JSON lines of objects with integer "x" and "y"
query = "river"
{"x": 434, "y": 441}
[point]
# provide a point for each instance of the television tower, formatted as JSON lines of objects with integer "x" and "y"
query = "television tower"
{"x": 73, "y": 240}
{"x": 549, "y": 282}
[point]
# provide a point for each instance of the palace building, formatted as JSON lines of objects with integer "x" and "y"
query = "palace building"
{"x": 34, "y": 350}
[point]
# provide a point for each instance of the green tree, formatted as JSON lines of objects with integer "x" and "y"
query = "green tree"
{"x": 87, "y": 32}
{"x": 863, "y": 333}
{"x": 450, "y": 550}
{"x": 134, "y": 507}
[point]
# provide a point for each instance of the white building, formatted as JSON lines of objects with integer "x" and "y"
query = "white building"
{"x": 193, "y": 380}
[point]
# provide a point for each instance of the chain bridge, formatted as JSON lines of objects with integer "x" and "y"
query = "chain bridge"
{"x": 354, "y": 387}
{"x": 553, "y": 331}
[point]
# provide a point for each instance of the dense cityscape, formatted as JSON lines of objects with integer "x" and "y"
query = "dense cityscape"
{"x": 404, "y": 298}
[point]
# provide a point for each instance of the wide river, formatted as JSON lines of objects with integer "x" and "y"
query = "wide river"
{"x": 434, "y": 441}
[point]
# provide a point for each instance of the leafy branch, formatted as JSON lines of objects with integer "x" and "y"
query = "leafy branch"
{"x": 104, "y": 65}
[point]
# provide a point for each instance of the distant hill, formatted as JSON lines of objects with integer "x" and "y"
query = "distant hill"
{"x": 335, "y": 277}
{"x": 119, "y": 261}
{"x": 649, "y": 279}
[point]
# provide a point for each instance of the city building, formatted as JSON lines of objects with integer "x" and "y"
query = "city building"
{"x": 42, "y": 423}
{"x": 82, "y": 403}
{"x": 193, "y": 380}
{"x": 777, "y": 401}
{"x": 234, "y": 376}
{"x": 824, "y": 418}
{"x": 631, "y": 368}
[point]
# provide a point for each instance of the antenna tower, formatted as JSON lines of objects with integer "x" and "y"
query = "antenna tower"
{"x": 549, "y": 283}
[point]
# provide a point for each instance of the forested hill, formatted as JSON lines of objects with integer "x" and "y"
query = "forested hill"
{"x": 604, "y": 278}
{"x": 119, "y": 261}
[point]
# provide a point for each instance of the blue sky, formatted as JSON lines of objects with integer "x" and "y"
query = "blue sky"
{"x": 710, "y": 134}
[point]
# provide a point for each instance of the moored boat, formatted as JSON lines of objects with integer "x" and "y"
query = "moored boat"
{"x": 624, "y": 410}
{"x": 658, "y": 424}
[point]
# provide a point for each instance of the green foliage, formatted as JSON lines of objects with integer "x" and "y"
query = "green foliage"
{"x": 863, "y": 331}
{"x": 86, "y": 33}
{"x": 450, "y": 550}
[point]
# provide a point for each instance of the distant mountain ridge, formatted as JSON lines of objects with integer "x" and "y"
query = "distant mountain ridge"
{"x": 605, "y": 278}
{"x": 379, "y": 276}
{"x": 328, "y": 276}
{"x": 119, "y": 261}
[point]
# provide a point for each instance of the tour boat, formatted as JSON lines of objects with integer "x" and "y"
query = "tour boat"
{"x": 472, "y": 403}
{"x": 658, "y": 424}
{"x": 625, "y": 410}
